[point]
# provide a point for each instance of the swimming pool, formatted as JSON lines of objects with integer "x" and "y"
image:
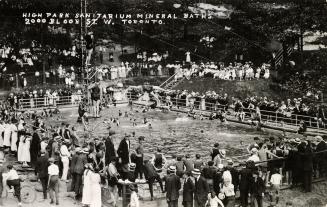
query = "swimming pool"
{"x": 173, "y": 132}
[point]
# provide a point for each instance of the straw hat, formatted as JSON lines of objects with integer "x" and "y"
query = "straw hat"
{"x": 172, "y": 169}
{"x": 85, "y": 150}
{"x": 131, "y": 167}
{"x": 297, "y": 140}
{"x": 196, "y": 172}
{"x": 254, "y": 150}
{"x": 319, "y": 138}
{"x": 222, "y": 153}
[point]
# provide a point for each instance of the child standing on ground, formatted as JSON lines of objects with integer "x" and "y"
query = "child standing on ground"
{"x": 275, "y": 181}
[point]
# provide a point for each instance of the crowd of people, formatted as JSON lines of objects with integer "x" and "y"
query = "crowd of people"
{"x": 58, "y": 154}
{"x": 310, "y": 85}
{"x": 285, "y": 110}
{"x": 33, "y": 98}
{"x": 27, "y": 58}
{"x": 236, "y": 71}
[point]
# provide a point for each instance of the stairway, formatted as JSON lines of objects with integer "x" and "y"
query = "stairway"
{"x": 170, "y": 83}
{"x": 174, "y": 83}
{"x": 279, "y": 57}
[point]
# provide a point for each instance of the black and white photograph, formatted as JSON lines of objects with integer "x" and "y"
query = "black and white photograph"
{"x": 163, "y": 103}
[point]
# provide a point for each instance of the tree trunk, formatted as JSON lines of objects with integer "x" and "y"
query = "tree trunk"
{"x": 185, "y": 30}
{"x": 302, "y": 45}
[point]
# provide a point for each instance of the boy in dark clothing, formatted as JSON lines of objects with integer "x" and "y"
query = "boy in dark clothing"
{"x": 257, "y": 189}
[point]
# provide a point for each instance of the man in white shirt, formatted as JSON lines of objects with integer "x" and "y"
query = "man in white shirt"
{"x": 13, "y": 180}
{"x": 53, "y": 184}
{"x": 65, "y": 154}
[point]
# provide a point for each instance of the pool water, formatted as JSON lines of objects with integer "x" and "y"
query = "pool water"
{"x": 173, "y": 132}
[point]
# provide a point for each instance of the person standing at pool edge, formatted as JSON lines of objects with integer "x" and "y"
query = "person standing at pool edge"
{"x": 201, "y": 189}
{"x": 53, "y": 183}
{"x": 172, "y": 186}
{"x": 96, "y": 96}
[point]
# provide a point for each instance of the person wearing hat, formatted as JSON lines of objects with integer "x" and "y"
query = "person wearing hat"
{"x": 172, "y": 187}
{"x": 110, "y": 148}
{"x": 201, "y": 189}
{"x": 254, "y": 155}
{"x": 188, "y": 190}
{"x": 78, "y": 166}
{"x": 41, "y": 169}
{"x": 53, "y": 183}
{"x": 321, "y": 158}
{"x": 131, "y": 176}
{"x": 220, "y": 158}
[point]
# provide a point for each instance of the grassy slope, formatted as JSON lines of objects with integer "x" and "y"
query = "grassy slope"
{"x": 240, "y": 89}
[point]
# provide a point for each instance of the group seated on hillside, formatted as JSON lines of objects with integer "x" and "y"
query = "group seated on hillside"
{"x": 310, "y": 85}
{"x": 236, "y": 71}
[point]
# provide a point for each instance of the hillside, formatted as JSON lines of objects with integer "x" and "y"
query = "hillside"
{"x": 241, "y": 89}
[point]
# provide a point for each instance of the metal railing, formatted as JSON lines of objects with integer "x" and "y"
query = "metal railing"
{"x": 171, "y": 78}
{"x": 34, "y": 103}
{"x": 273, "y": 117}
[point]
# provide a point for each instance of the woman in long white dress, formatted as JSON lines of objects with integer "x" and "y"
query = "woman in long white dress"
{"x": 257, "y": 75}
{"x": 113, "y": 73}
{"x": 188, "y": 57}
{"x": 159, "y": 70}
{"x": 95, "y": 183}
{"x": 7, "y": 135}
{"x": 267, "y": 74}
{"x": 87, "y": 190}
{"x": 24, "y": 155}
